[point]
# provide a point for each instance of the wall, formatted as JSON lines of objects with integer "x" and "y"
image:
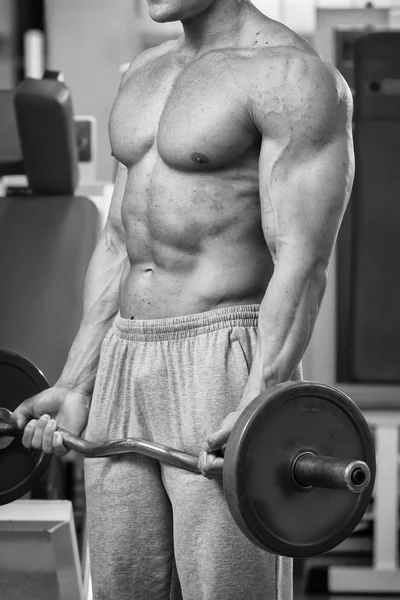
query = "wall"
{"x": 299, "y": 15}
{"x": 6, "y": 59}
{"x": 355, "y": 3}
{"x": 271, "y": 8}
{"x": 329, "y": 19}
{"x": 88, "y": 40}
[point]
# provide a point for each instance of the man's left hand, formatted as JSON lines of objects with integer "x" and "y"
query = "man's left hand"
{"x": 210, "y": 461}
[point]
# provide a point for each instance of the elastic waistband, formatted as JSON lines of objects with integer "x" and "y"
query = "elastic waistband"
{"x": 174, "y": 328}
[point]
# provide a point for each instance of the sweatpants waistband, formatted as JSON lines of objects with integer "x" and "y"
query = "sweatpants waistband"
{"x": 173, "y": 328}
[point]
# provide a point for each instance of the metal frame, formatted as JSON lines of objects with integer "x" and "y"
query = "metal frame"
{"x": 384, "y": 575}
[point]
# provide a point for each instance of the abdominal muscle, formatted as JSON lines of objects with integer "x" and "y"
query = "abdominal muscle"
{"x": 194, "y": 243}
{"x": 152, "y": 292}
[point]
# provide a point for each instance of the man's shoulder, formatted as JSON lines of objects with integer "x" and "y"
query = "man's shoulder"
{"x": 272, "y": 35}
{"x": 287, "y": 58}
{"x": 291, "y": 90}
{"x": 295, "y": 75}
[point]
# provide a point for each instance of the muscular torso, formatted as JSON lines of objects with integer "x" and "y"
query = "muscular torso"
{"x": 191, "y": 209}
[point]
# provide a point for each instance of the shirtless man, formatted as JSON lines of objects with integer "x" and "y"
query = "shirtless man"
{"x": 237, "y": 163}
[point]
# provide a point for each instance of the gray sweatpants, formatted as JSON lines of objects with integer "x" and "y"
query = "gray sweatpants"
{"x": 157, "y": 532}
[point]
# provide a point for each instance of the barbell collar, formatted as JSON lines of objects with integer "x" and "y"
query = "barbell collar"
{"x": 311, "y": 470}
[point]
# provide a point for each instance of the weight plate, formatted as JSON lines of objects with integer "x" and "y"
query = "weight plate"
{"x": 265, "y": 501}
{"x": 20, "y": 469}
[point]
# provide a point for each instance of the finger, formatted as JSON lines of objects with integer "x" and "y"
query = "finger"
{"x": 29, "y": 433}
{"x": 37, "y": 439}
{"x": 48, "y": 433}
{"x": 217, "y": 440}
{"x": 23, "y": 413}
{"x": 202, "y": 461}
{"x": 210, "y": 465}
{"x": 214, "y": 466}
{"x": 220, "y": 453}
{"x": 58, "y": 445}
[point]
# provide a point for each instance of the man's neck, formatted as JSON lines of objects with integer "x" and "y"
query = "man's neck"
{"x": 219, "y": 26}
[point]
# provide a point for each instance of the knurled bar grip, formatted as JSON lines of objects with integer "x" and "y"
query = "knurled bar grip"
{"x": 309, "y": 470}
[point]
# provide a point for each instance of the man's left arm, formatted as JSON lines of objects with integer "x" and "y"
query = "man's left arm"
{"x": 306, "y": 174}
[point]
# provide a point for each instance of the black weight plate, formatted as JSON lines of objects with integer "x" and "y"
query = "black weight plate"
{"x": 266, "y": 503}
{"x": 20, "y": 469}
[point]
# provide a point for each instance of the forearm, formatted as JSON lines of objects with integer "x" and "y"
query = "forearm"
{"x": 286, "y": 320}
{"x": 100, "y": 305}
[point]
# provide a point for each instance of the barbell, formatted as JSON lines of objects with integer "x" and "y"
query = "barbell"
{"x": 299, "y": 465}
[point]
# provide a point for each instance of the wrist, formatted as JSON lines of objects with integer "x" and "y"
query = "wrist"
{"x": 85, "y": 388}
{"x": 251, "y": 392}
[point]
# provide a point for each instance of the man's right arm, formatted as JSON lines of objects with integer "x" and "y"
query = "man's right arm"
{"x": 101, "y": 293}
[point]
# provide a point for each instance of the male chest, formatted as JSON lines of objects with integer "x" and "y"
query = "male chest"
{"x": 194, "y": 117}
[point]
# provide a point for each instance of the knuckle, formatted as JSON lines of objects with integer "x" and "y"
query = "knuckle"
{"x": 60, "y": 450}
{"x": 51, "y": 425}
{"x": 47, "y": 443}
{"x": 36, "y": 443}
{"x": 43, "y": 421}
{"x": 205, "y": 470}
{"x": 58, "y": 445}
{"x": 28, "y": 436}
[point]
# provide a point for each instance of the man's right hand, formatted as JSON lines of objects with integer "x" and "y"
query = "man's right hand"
{"x": 40, "y": 416}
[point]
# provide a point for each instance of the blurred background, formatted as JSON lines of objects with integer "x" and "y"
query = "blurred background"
{"x": 88, "y": 45}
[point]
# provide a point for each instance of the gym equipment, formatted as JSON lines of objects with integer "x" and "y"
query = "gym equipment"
{"x": 39, "y": 553}
{"x": 370, "y": 294}
{"x": 11, "y": 160}
{"x": 299, "y": 466}
{"x": 20, "y": 469}
{"x": 46, "y": 128}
